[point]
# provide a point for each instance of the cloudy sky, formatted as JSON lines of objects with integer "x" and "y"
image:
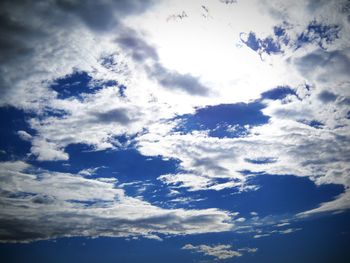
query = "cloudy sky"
{"x": 174, "y": 131}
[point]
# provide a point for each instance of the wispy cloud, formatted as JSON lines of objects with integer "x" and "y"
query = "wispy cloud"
{"x": 219, "y": 252}
{"x": 39, "y": 204}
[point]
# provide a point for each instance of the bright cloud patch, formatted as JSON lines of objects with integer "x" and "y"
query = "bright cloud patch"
{"x": 219, "y": 252}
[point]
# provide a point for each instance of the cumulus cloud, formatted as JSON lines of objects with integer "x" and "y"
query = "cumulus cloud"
{"x": 47, "y": 151}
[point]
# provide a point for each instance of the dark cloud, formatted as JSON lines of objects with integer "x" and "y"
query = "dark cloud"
{"x": 327, "y": 96}
{"x": 115, "y": 115}
{"x": 334, "y": 63}
{"x": 174, "y": 80}
{"x": 210, "y": 164}
{"x": 72, "y": 224}
{"x": 21, "y": 27}
{"x": 103, "y": 15}
{"x": 140, "y": 50}
{"x": 12, "y": 37}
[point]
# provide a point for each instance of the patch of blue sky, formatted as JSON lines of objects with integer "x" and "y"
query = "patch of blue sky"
{"x": 72, "y": 85}
{"x": 111, "y": 250}
{"x": 112, "y": 63}
{"x": 311, "y": 243}
{"x": 267, "y": 45}
{"x": 234, "y": 120}
{"x": 281, "y": 33}
{"x": 262, "y": 160}
{"x": 278, "y": 93}
{"x": 136, "y": 180}
{"x": 224, "y": 120}
{"x": 275, "y": 195}
{"x": 119, "y": 163}
{"x": 313, "y": 123}
{"x": 109, "y": 62}
{"x": 318, "y": 33}
{"x": 12, "y": 146}
{"x": 79, "y": 83}
{"x": 286, "y": 194}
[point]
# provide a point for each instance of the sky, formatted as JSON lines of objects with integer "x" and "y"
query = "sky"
{"x": 174, "y": 131}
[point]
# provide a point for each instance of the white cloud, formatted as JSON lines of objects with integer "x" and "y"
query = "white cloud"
{"x": 341, "y": 203}
{"x": 24, "y": 135}
{"x": 219, "y": 252}
{"x": 194, "y": 182}
{"x": 289, "y": 231}
{"x": 89, "y": 171}
{"x": 47, "y": 151}
{"x": 273, "y": 232}
{"x": 240, "y": 220}
{"x": 71, "y": 205}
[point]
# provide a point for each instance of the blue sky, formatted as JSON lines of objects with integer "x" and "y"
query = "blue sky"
{"x": 207, "y": 131}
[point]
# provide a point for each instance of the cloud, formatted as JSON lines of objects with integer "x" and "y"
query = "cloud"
{"x": 114, "y": 115}
{"x": 96, "y": 120}
{"x": 90, "y": 171}
{"x": 324, "y": 67}
{"x": 241, "y": 219}
{"x": 341, "y": 203}
{"x": 295, "y": 148}
{"x": 280, "y": 232}
{"x": 39, "y": 204}
{"x": 326, "y": 96}
{"x": 24, "y": 135}
{"x": 47, "y": 151}
{"x": 194, "y": 182}
{"x": 143, "y": 53}
{"x": 47, "y": 40}
{"x": 219, "y": 252}
{"x": 139, "y": 50}
{"x": 42, "y": 42}
{"x": 103, "y": 16}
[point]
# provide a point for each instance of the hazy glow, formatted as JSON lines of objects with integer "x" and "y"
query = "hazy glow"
{"x": 208, "y": 45}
